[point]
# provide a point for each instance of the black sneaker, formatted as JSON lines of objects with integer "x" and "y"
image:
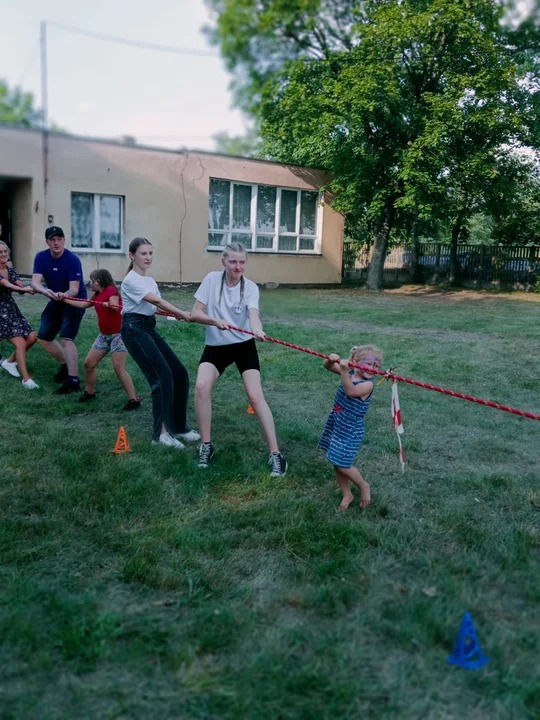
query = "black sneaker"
{"x": 206, "y": 453}
{"x": 62, "y": 375}
{"x": 68, "y": 387}
{"x": 86, "y": 397}
{"x": 278, "y": 464}
{"x": 133, "y": 404}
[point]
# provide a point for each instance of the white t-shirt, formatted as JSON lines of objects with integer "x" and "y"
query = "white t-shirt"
{"x": 230, "y": 309}
{"x": 133, "y": 288}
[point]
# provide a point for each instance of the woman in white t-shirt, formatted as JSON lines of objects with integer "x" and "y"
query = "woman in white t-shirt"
{"x": 166, "y": 375}
{"x": 223, "y": 299}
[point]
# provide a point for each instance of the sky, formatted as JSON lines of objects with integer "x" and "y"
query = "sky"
{"x": 100, "y": 89}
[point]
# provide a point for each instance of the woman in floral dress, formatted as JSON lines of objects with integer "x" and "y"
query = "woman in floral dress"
{"x": 13, "y": 325}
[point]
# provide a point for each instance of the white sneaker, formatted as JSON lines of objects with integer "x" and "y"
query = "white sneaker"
{"x": 190, "y": 436}
{"x": 30, "y": 384}
{"x": 169, "y": 441}
{"x": 11, "y": 368}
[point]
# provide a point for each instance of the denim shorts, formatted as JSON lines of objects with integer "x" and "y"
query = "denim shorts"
{"x": 109, "y": 343}
{"x": 59, "y": 318}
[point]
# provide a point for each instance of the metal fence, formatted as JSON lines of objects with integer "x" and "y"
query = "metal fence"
{"x": 477, "y": 265}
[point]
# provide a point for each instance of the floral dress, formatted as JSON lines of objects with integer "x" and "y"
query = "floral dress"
{"x": 12, "y": 321}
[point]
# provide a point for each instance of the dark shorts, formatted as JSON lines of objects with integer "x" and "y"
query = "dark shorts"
{"x": 243, "y": 354}
{"x": 59, "y": 318}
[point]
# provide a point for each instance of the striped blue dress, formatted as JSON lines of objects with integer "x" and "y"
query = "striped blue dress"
{"x": 344, "y": 429}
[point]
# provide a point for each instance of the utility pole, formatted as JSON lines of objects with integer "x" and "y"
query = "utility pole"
{"x": 44, "y": 113}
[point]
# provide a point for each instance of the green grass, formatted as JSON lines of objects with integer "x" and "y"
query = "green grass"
{"x": 136, "y": 586}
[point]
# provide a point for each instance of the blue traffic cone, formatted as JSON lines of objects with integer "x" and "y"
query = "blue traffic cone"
{"x": 467, "y": 651}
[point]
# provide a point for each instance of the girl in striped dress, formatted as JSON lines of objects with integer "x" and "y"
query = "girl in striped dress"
{"x": 344, "y": 429}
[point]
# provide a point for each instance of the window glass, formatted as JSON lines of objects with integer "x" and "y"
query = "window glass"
{"x": 218, "y": 205}
{"x": 241, "y": 207}
{"x": 82, "y": 211}
{"x": 308, "y": 213}
{"x": 110, "y": 222}
{"x": 287, "y": 221}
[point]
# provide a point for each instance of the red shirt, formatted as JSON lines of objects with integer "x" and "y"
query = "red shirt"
{"x": 109, "y": 321}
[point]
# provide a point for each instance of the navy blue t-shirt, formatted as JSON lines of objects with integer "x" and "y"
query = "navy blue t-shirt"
{"x": 59, "y": 272}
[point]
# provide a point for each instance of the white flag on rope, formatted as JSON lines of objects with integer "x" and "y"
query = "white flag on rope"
{"x": 396, "y": 420}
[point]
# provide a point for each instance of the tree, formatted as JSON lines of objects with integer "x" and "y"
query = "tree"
{"x": 248, "y": 145}
{"x": 382, "y": 93}
{"x": 520, "y": 225}
{"x": 17, "y": 107}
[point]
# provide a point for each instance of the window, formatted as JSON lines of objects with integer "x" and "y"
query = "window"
{"x": 263, "y": 218}
{"x": 97, "y": 222}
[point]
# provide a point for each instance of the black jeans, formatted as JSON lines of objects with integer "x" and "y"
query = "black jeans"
{"x": 166, "y": 375}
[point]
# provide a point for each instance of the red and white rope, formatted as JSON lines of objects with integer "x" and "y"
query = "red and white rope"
{"x": 373, "y": 371}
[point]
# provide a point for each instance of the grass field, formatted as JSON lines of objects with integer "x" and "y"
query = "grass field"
{"x": 137, "y": 586}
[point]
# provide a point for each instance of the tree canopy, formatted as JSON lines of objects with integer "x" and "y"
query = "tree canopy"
{"x": 17, "y": 107}
{"x": 415, "y": 107}
{"x": 248, "y": 145}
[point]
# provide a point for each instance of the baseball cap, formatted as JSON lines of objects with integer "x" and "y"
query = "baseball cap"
{"x": 53, "y": 230}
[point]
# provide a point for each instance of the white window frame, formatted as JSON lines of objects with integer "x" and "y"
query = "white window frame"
{"x": 96, "y": 230}
{"x": 227, "y": 234}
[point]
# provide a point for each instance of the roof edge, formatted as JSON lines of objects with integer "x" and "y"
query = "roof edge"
{"x": 146, "y": 148}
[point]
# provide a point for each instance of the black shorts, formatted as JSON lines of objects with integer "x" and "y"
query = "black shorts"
{"x": 243, "y": 354}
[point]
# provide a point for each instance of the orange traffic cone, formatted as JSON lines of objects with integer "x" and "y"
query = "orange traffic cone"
{"x": 250, "y": 410}
{"x": 122, "y": 444}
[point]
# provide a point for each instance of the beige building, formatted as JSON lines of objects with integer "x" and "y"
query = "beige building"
{"x": 188, "y": 204}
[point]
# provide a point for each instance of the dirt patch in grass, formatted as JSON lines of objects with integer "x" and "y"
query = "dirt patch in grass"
{"x": 460, "y": 296}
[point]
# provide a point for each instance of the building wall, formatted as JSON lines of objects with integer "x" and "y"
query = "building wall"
{"x": 22, "y": 221}
{"x": 166, "y": 200}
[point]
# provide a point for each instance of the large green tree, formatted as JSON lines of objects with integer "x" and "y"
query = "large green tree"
{"x": 383, "y": 94}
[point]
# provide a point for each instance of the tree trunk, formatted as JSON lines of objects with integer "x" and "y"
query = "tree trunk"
{"x": 457, "y": 226}
{"x": 415, "y": 250}
{"x": 381, "y": 232}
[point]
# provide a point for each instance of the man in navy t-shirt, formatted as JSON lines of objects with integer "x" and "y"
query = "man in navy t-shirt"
{"x": 62, "y": 272}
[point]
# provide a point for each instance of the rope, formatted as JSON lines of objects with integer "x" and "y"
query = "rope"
{"x": 386, "y": 374}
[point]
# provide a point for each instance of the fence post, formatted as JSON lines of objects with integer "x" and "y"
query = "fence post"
{"x": 481, "y": 270}
{"x": 437, "y": 263}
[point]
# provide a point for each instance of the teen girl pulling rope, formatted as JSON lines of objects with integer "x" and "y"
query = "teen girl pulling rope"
{"x": 223, "y": 299}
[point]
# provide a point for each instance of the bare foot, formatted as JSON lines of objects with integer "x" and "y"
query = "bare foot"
{"x": 365, "y": 495}
{"x": 344, "y": 504}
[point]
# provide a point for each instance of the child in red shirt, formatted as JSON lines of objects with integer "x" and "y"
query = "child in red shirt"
{"x": 109, "y": 338}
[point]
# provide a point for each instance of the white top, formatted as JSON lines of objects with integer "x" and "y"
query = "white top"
{"x": 133, "y": 288}
{"x": 230, "y": 309}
